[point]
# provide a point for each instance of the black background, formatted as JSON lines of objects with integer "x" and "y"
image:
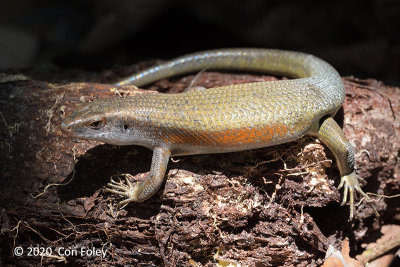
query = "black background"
{"x": 359, "y": 38}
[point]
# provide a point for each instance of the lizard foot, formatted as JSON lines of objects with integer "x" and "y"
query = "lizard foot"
{"x": 351, "y": 185}
{"x": 127, "y": 190}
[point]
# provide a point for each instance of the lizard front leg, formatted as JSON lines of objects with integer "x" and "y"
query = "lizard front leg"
{"x": 333, "y": 137}
{"x": 142, "y": 191}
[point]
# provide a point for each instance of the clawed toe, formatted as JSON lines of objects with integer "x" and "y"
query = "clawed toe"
{"x": 351, "y": 186}
{"x": 125, "y": 190}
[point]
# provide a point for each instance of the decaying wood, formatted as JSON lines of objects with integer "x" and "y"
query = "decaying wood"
{"x": 272, "y": 206}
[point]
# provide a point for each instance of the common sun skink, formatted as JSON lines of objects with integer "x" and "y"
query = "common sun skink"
{"x": 222, "y": 119}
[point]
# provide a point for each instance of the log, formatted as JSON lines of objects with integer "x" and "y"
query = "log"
{"x": 273, "y": 206}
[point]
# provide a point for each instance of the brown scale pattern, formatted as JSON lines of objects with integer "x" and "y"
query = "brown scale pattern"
{"x": 227, "y": 118}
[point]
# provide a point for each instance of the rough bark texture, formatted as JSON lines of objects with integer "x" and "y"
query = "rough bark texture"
{"x": 273, "y": 206}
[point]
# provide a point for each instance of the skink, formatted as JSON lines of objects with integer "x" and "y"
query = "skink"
{"x": 222, "y": 119}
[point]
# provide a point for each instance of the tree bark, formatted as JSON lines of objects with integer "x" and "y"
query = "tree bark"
{"x": 274, "y": 206}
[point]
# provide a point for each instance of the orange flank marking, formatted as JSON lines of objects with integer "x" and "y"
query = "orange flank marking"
{"x": 250, "y": 135}
{"x": 229, "y": 137}
{"x": 174, "y": 139}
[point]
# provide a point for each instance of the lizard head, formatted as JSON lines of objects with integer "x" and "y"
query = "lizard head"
{"x": 100, "y": 120}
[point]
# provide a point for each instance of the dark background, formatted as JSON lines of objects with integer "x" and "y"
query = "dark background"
{"x": 359, "y": 38}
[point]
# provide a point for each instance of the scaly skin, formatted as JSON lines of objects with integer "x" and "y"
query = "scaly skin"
{"x": 223, "y": 119}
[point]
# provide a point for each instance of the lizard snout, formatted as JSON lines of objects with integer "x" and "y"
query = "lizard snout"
{"x": 66, "y": 125}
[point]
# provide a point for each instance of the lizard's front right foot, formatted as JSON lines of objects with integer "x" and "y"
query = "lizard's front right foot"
{"x": 351, "y": 185}
{"x": 129, "y": 191}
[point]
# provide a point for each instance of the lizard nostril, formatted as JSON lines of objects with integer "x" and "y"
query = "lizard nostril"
{"x": 65, "y": 127}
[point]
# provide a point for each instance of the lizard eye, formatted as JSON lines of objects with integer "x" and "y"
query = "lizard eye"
{"x": 95, "y": 125}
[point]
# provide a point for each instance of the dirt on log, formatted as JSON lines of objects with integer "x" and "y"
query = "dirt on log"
{"x": 274, "y": 206}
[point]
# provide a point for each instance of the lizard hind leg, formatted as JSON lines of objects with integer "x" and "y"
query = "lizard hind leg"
{"x": 140, "y": 192}
{"x": 333, "y": 137}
